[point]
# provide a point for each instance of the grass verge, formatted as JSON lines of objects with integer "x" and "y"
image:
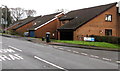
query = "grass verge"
{"x": 98, "y": 44}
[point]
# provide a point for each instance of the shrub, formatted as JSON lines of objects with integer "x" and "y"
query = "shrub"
{"x": 109, "y": 39}
{"x": 12, "y": 32}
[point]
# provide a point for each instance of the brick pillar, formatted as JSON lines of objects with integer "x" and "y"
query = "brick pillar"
{"x": 58, "y": 37}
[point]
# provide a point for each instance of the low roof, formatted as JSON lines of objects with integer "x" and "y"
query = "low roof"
{"x": 15, "y": 23}
{"x": 82, "y": 16}
{"x": 25, "y": 21}
{"x": 42, "y": 20}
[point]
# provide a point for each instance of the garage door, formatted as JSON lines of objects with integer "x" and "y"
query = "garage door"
{"x": 66, "y": 35}
{"x": 32, "y": 33}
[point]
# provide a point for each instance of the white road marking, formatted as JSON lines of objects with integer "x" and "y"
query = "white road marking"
{"x": 75, "y": 52}
{"x": 15, "y": 48}
{"x": 49, "y": 63}
{"x": 50, "y": 46}
{"x": 4, "y": 57}
{"x": 6, "y": 50}
{"x": 15, "y": 56}
{"x": 84, "y": 54}
{"x": 61, "y": 48}
{"x": 44, "y": 66}
{"x": 94, "y": 56}
{"x": 10, "y": 57}
{"x": 69, "y": 50}
{"x": 45, "y": 44}
{"x": 106, "y": 59}
{"x": 117, "y": 61}
{"x": 54, "y": 47}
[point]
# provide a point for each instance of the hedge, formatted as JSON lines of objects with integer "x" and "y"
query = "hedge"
{"x": 109, "y": 39}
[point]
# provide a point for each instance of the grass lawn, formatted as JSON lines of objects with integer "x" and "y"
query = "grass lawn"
{"x": 98, "y": 44}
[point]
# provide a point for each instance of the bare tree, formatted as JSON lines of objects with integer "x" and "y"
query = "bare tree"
{"x": 17, "y": 13}
{"x": 62, "y": 10}
{"x": 20, "y": 13}
{"x": 30, "y": 13}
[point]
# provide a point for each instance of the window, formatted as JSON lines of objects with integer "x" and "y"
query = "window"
{"x": 108, "y": 32}
{"x": 34, "y": 23}
{"x": 108, "y": 18}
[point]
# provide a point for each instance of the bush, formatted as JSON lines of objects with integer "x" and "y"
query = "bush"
{"x": 12, "y": 32}
{"x": 109, "y": 39}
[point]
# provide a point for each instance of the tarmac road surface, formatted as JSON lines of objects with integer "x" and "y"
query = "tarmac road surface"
{"x": 19, "y": 54}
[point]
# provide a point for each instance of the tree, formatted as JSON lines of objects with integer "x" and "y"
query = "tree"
{"x": 17, "y": 13}
{"x": 20, "y": 13}
{"x": 6, "y": 17}
{"x": 62, "y": 10}
{"x": 30, "y": 13}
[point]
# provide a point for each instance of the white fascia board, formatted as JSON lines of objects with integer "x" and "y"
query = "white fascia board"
{"x": 59, "y": 14}
{"x": 45, "y": 23}
{"x": 48, "y": 21}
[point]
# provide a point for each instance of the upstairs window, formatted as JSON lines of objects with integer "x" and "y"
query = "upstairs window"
{"x": 108, "y": 18}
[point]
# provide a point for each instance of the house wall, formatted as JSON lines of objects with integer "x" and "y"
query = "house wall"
{"x": 61, "y": 23}
{"x": 12, "y": 27}
{"x": 50, "y": 27}
{"x": 98, "y": 25}
{"x": 24, "y": 28}
{"x": 118, "y": 25}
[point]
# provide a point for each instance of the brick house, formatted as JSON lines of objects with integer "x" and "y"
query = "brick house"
{"x": 101, "y": 20}
{"x": 15, "y": 24}
{"x": 46, "y": 23}
{"x": 118, "y": 21}
{"x": 25, "y": 25}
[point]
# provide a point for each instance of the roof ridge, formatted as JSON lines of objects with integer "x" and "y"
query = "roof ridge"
{"x": 95, "y": 6}
{"x": 50, "y": 17}
{"x": 24, "y": 23}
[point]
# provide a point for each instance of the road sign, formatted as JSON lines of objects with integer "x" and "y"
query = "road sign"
{"x": 89, "y": 39}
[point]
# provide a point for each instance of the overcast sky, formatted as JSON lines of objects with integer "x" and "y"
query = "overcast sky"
{"x": 50, "y": 6}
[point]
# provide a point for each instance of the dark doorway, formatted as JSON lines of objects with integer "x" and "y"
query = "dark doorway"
{"x": 65, "y": 35}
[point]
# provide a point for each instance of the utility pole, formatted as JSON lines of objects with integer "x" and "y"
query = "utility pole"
{"x": 5, "y": 19}
{"x": 0, "y": 17}
{"x": 1, "y": 29}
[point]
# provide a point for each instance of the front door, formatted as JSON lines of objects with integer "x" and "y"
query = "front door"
{"x": 32, "y": 33}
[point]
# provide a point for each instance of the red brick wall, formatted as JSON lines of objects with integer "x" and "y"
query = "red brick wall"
{"x": 118, "y": 25}
{"x": 50, "y": 27}
{"x": 98, "y": 24}
{"x": 24, "y": 28}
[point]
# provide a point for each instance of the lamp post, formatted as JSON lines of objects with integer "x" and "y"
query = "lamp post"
{"x": 0, "y": 19}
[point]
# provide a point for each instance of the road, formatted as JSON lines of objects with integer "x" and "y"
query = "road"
{"x": 111, "y": 56}
{"x": 19, "y": 54}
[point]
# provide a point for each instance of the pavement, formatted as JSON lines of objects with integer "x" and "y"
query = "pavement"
{"x": 83, "y": 46}
{"x": 17, "y": 53}
{"x": 36, "y": 40}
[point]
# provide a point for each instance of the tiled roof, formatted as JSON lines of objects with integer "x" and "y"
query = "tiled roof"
{"x": 82, "y": 16}
{"x": 15, "y": 24}
{"x": 25, "y": 21}
{"x": 42, "y": 20}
